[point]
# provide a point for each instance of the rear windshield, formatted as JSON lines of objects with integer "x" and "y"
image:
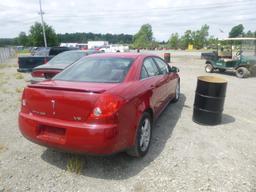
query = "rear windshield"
{"x": 100, "y": 70}
{"x": 66, "y": 58}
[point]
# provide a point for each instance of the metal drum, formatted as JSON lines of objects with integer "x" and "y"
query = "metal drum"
{"x": 209, "y": 100}
{"x": 167, "y": 57}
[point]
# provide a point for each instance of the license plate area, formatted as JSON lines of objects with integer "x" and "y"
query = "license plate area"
{"x": 51, "y": 134}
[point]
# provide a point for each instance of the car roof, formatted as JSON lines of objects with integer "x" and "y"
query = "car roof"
{"x": 122, "y": 55}
{"x": 81, "y": 51}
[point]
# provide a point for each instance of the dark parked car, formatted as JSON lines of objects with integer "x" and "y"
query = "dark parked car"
{"x": 58, "y": 63}
{"x": 39, "y": 57}
{"x": 101, "y": 104}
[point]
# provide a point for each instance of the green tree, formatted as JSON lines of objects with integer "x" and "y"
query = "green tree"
{"x": 143, "y": 39}
{"x": 36, "y": 35}
{"x": 199, "y": 37}
{"x": 249, "y": 34}
{"x": 236, "y": 31}
{"x": 174, "y": 41}
{"x": 212, "y": 42}
{"x": 23, "y": 39}
{"x": 185, "y": 39}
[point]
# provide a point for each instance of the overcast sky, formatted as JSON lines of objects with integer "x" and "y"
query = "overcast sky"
{"x": 126, "y": 16}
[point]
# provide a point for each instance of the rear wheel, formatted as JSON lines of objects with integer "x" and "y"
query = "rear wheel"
{"x": 143, "y": 137}
{"x": 177, "y": 93}
{"x": 242, "y": 72}
{"x": 208, "y": 68}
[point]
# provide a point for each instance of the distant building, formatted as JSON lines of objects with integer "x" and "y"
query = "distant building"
{"x": 96, "y": 44}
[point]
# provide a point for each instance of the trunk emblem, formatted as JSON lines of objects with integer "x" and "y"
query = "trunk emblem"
{"x": 53, "y": 106}
{"x": 77, "y": 118}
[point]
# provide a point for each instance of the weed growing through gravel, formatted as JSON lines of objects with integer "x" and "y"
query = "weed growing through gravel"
{"x": 18, "y": 90}
{"x": 2, "y": 148}
{"x": 3, "y": 66}
{"x": 75, "y": 164}
{"x": 19, "y": 76}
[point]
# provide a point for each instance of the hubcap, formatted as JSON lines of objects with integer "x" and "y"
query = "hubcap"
{"x": 208, "y": 69}
{"x": 145, "y": 135}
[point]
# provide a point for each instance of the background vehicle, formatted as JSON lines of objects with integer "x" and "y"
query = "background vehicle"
{"x": 39, "y": 56}
{"x": 114, "y": 49}
{"x": 236, "y": 54}
{"x": 102, "y": 104}
{"x": 57, "y": 64}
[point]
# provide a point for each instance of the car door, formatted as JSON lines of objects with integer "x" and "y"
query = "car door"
{"x": 169, "y": 85}
{"x": 151, "y": 74}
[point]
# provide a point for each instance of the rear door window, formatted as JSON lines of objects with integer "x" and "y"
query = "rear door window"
{"x": 163, "y": 67}
{"x": 150, "y": 67}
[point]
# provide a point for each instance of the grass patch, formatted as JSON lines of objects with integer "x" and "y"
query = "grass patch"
{"x": 2, "y": 148}
{"x": 19, "y": 76}
{"x": 3, "y": 66}
{"x": 2, "y": 82}
{"x": 75, "y": 164}
{"x": 18, "y": 90}
{"x": 5, "y": 90}
{"x": 25, "y": 51}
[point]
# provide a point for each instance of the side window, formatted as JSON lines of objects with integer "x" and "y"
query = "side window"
{"x": 151, "y": 67}
{"x": 162, "y": 66}
{"x": 144, "y": 73}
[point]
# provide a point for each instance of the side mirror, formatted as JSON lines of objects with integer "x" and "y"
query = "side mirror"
{"x": 174, "y": 69}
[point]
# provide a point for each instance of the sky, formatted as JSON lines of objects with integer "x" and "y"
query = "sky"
{"x": 127, "y": 16}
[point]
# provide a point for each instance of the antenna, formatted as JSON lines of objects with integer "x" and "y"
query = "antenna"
{"x": 42, "y": 20}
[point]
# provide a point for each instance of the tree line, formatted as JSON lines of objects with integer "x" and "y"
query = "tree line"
{"x": 143, "y": 39}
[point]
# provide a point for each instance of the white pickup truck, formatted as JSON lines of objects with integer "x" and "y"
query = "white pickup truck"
{"x": 114, "y": 49}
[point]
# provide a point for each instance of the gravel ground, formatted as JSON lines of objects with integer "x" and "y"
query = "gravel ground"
{"x": 184, "y": 156}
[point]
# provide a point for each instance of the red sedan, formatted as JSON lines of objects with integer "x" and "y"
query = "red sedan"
{"x": 102, "y": 104}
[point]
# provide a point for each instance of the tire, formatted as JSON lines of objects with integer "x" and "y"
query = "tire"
{"x": 208, "y": 68}
{"x": 177, "y": 93}
{"x": 242, "y": 72}
{"x": 143, "y": 137}
{"x": 222, "y": 70}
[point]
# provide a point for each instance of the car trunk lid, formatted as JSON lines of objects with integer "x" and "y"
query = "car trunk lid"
{"x": 63, "y": 100}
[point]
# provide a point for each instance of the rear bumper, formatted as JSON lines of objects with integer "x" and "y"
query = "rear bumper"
{"x": 24, "y": 70}
{"x": 69, "y": 136}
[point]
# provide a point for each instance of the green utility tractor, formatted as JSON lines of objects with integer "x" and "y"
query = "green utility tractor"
{"x": 235, "y": 54}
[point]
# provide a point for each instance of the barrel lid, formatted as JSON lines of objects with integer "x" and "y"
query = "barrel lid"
{"x": 212, "y": 79}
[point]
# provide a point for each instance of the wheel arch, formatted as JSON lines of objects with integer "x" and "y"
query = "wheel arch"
{"x": 245, "y": 66}
{"x": 209, "y": 62}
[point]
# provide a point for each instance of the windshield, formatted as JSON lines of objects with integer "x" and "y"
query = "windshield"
{"x": 100, "y": 70}
{"x": 66, "y": 58}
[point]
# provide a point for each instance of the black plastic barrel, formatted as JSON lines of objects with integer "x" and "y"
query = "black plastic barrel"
{"x": 209, "y": 100}
{"x": 167, "y": 57}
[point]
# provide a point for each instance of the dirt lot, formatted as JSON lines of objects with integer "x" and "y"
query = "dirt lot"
{"x": 184, "y": 156}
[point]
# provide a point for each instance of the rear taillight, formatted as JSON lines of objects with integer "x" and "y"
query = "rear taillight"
{"x": 37, "y": 74}
{"x": 106, "y": 107}
{"x": 24, "y": 103}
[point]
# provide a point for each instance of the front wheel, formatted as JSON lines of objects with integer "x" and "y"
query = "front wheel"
{"x": 143, "y": 137}
{"x": 242, "y": 72}
{"x": 208, "y": 68}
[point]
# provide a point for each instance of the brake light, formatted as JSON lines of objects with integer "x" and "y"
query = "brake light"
{"x": 106, "y": 106}
{"x": 24, "y": 107}
{"x": 37, "y": 74}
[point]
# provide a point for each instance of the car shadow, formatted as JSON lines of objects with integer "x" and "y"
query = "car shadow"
{"x": 121, "y": 166}
{"x": 232, "y": 74}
